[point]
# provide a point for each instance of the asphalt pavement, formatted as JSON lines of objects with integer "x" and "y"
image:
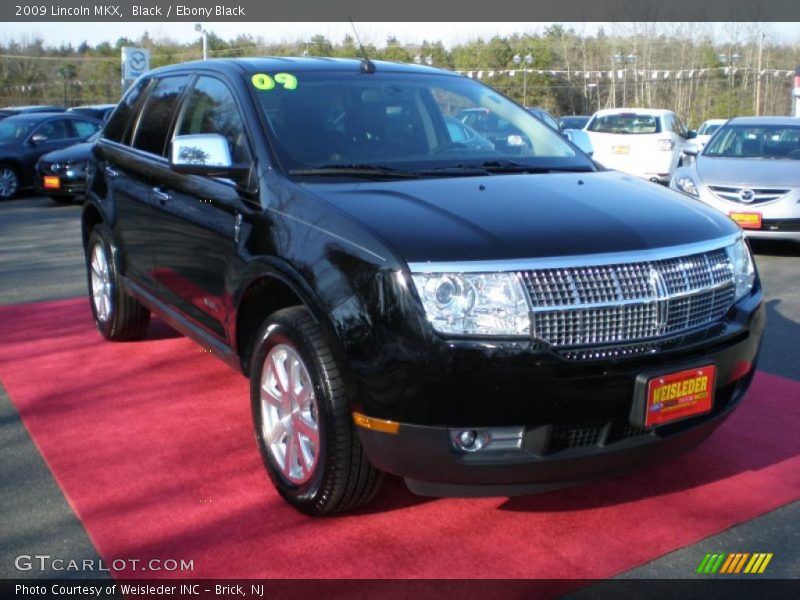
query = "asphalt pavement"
{"x": 41, "y": 258}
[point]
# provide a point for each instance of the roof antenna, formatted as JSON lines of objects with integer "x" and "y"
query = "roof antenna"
{"x": 367, "y": 66}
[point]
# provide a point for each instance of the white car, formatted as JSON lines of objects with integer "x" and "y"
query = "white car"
{"x": 647, "y": 143}
{"x": 707, "y": 130}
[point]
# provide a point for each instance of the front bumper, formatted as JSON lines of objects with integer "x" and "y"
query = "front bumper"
{"x": 575, "y": 418}
{"x": 69, "y": 185}
{"x": 780, "y": 218}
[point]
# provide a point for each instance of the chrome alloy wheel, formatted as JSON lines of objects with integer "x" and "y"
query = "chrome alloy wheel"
{"x": 101, "y": 282}
{"x": 8, "y": 182}
{"x": 289, "y": 414}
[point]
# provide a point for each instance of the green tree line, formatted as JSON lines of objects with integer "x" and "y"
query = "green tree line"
{"x": 565, "y": 71}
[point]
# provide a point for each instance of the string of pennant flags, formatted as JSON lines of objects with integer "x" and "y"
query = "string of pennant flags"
{"x": 618, "y": 74}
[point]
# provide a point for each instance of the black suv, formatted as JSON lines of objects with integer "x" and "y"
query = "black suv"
{"x": 475, "y": 321}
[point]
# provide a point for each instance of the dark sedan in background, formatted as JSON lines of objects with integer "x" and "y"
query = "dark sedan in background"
{"x": 12, "y": 111}
{"x": 25, "y": 138}
{"x": 96, "y": 111}
{"x": 62, "y": 174}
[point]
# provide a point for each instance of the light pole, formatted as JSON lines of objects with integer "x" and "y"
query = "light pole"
{"x": 730, "y": 60}
{"x": 621, "y": 59}
{"x": 758, "y": 72}
{"x": 199, "y": 28}
{"x": 67, "y": 72}
{"x": 517, "y": 61}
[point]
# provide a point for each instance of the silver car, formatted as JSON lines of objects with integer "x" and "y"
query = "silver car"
{"x": 750, "y": 170}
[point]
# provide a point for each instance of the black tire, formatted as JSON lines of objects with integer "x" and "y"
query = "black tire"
{"x": 9, "y": 181}
{"x": 124, "y": 318}
{"x": 342, "y": 477}
{"x": 62, "y": 199}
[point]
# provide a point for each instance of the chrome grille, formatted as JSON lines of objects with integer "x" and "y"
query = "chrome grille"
{"x": 629, "y": 302}
{"x": 745, "y": 195}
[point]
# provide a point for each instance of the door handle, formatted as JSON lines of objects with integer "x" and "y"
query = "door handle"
{"x": 111, "y": 173}
{"x": 161, "y": 195}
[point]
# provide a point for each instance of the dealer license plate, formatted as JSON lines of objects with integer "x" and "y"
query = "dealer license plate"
{"x": 676, "y": 396}
{"x": 620, "y": 149}
{"x": 747, "y": 220}
{"x": 51, "y": 182}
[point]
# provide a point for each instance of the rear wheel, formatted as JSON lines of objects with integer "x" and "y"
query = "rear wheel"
{"x": 303, "y": 425}
{"x": 9, "y": 182}
{"x": 117, "y": 315}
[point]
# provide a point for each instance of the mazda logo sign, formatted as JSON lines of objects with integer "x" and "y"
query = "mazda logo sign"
{"x": 747, "y": 196}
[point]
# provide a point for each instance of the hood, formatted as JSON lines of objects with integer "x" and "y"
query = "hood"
{"x": 73, "y": 153}
{"x": 525, "y": 216}
{"x": 748, "y": 172}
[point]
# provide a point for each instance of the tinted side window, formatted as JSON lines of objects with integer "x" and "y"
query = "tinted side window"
{"x": 55, "y": 130}
{"x": 117, "y": 125}
{"x": 83, "y": 129}
{"x": 151, "y": 131}
{"x": 211, "y": 108}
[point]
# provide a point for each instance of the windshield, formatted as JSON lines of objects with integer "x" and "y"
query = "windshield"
{"x": 12, "y": 130}
{"x": 573, "y": 122}
{"x": 405, "y": 122}
{"x": 708, "y": 128}
{"x": 747, "y": 141}
{"x": 630, "y": 123}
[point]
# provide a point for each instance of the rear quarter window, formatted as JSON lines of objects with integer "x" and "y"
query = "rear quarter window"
{"x": 117, "y": 127}
{"x": 84, "y": 129}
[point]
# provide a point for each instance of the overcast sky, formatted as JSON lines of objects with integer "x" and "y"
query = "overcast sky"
{"x": 375, "y": 33}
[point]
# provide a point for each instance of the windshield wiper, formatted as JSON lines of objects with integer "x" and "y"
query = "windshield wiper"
{"x": 458, "y": 170}
{"x": 356, "y": 170}
{"x": 509, "y": 166}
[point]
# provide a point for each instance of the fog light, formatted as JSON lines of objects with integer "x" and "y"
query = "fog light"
{"x": 470, "y": 440}
{"x": 487, "y": 440}
{"x": 467, "y": 438}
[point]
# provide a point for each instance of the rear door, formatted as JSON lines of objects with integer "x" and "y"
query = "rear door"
{"x": 139, "y": 129}
{"x": 196, "y": 232}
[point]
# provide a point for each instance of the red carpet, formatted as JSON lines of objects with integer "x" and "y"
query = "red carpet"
{"x": 152, "y": 444}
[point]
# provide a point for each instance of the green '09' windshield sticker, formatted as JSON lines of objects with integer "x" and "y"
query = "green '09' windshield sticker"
{"x": 262, "y": 81}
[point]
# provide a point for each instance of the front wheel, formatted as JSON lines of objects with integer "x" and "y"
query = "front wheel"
{"x": 9, "y": 182}
{"x": 303, "y": 425}
{"x": 117, "y": 315}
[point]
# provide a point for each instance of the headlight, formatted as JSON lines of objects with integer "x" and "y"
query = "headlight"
{"x": 474, "y": 303}
{"x": 744, "y": 271}
{"x": 76, "y": 167}
{"x": 686, "y": 185}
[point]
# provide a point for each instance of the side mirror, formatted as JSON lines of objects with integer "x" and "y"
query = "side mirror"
{"x": 691, "y": 149}
{"x": 204, "y": 154}
{"x": 580, "y": 138}
{"x": 38, "y": 138}
{"x": 691, "y": 134}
